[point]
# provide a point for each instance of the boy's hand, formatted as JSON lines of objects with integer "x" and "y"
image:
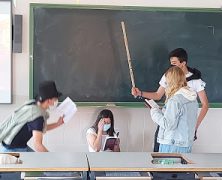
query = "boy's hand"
{"x": 135, "y": 92}
{"x": 60, "y": 121}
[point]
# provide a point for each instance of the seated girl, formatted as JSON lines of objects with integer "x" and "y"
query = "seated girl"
{"x": 100, "y": 131}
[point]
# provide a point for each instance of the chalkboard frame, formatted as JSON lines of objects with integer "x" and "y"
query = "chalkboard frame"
{"x": 104, "y": 7}
{"x": 6, "y": 60}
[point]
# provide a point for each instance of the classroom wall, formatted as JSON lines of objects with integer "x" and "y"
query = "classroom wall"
{"x": 135, "y": 125}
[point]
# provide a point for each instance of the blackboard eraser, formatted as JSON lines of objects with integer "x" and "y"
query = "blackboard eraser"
{"x": 110, "y": 104}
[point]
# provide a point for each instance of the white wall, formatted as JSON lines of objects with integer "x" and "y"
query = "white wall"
{"x": 135, "y": 126}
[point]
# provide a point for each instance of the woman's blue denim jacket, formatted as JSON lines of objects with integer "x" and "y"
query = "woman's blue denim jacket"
{"x": 177, "y": 121}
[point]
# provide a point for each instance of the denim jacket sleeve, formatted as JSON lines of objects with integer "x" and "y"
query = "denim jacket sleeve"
{"x": 169, "y": 118}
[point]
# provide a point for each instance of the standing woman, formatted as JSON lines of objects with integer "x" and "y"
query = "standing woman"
{"x": 178, "y": 118}
{"x": 102, "y": 128}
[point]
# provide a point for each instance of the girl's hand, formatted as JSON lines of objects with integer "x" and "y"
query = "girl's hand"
{"x": 117, "y": 142}
{"x": 116, "y": 146}
{"x": 100, "y": 125}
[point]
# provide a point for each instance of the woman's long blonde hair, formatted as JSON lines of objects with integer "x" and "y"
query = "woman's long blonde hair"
{"x": 175, "y": 79}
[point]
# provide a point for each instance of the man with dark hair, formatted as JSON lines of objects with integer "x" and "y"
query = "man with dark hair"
{"x": 30, "y": 121}
{"x": 182, "y": 56}
{"x": 178, "y": 57}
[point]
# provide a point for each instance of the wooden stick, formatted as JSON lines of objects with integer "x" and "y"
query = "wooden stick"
{"x": 128, "y": 54}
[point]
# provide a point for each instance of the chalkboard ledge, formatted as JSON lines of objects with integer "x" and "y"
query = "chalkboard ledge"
{"x": 130, "y": 104}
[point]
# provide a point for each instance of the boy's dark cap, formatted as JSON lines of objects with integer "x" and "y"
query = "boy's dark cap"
{"x": 48, "y": 90}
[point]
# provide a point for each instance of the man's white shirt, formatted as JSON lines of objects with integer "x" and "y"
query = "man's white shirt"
{"x": 196, "y": 85}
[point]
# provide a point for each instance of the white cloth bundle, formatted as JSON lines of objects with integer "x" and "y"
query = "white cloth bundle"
{"x": 8, "y": 159}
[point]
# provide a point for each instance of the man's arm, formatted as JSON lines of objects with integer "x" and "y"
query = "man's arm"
{"x": 37, "y": 139}
{"x": 149, "y": 95}
{"x": 204, "y": 107}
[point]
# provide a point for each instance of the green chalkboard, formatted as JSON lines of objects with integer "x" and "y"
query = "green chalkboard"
{"x": 82, "y": 48}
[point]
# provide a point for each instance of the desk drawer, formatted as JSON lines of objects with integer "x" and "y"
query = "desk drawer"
{"x": 173, "y": 175}
{"x": 51, "y": 175}
{"x": 210, "y": 175}
{"x": 122, "y": 175}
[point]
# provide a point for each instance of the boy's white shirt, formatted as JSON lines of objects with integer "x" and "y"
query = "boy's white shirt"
{"x": 196, "y": 85}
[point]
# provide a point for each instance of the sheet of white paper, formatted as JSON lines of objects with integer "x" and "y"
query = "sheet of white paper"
{"x": 152, "y": 103}
{"x": 67, "y": 108}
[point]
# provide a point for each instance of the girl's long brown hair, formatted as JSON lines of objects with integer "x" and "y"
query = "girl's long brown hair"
{"x": 105, "y": 113}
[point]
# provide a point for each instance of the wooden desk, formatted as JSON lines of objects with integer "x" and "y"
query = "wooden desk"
{"x": 133, "y": 161}
{"x": 142, "y": 161}
{"x": 107, "y": 161}
{"x": 118, "y": 161}
{"x": 205, "y": 162}
{"x": 33, "y": 161}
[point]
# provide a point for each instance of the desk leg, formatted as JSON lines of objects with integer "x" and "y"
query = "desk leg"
{"x": 92, "y": 175}
{"x": 85, "y": 175}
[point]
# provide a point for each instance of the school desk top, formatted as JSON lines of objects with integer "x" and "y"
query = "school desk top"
{"x": 142, "y": 161}
{"x": 106, "y": 161}
{"x": 33, "y": 161}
